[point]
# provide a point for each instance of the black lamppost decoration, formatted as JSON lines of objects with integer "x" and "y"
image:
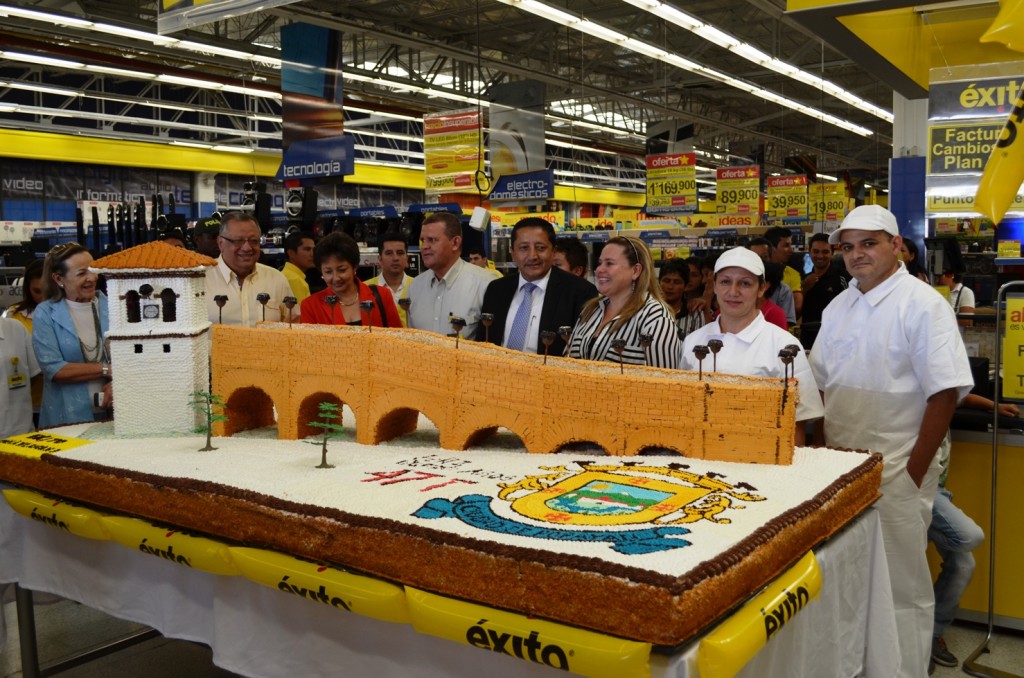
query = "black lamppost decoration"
{"x": 458, "y": 324}
{"x": 220, "y": 300}
{"x": 645, "y": 343}
{"x": 786, "y": 355}
{"x": 715, "y": 345}
{"x": 547, "y": 337}
{"x": 701, "y": 351}
{"x": 289, "y": 303}
{"x": 487, "y": 319}
{"x": 263, "y": 298}
{"x": 367, "y": 306}
{"x": 331, "y": 300}
{"x": 618, "y": 345}
{"x": 565, "y": 331}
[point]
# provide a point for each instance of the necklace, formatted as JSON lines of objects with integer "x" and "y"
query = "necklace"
{"x": 91, "y": 352}
{"x": 348, "y": 303}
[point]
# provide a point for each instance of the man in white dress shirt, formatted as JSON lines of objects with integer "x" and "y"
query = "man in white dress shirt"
{"x": 394, "y": 260}
{"x": 450, "y": 287}
{"x": 892, "y": 367}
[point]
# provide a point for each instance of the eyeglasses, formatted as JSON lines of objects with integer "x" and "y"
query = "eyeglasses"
{"x": 238, "y": 242}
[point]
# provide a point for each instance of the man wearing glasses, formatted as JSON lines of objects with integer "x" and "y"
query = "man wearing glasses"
{"x": 240, "y": 277}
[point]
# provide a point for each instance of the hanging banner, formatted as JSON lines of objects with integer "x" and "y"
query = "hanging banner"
{"x": 176, "y": 15}
{"x": 524, "y": 188}
{"x": 452, "y": 150}
{"x": 737, "y": 190}
{"x": 1004, "y": 171}
{"x": 787, "y": 196}
{"x": 829, "y": 202}
{"x": 515, "y": 140}
{"x": 672, "y": 183}
{"x": 510, "y": 219}
{"x": 313, "y": 135}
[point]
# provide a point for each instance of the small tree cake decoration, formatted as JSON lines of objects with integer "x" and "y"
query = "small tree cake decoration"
{"x": 328, "y": 413}
{"x": 204, "y": 403}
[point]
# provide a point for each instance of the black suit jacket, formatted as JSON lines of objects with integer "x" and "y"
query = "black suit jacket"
{"x": 563, "y": 300}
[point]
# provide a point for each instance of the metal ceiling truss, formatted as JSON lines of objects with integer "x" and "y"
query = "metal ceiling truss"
{"x": 465, "y": 47}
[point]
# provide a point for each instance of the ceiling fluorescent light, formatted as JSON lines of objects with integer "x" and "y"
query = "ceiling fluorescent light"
{"x": 188, "y": 82}
{"x": 45, "y": 17}
{"x": 45, "y": 89}
{"x": 599, "y": 31}
{"x": 544, "y": 11}
{"x": 233, "y": 149}
{"x": 41, "y": 60}
{"x": 190, "y": 144}
{"x": 123, "y": 72}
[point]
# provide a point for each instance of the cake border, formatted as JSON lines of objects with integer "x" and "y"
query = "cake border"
{"x": 668, "y": 610}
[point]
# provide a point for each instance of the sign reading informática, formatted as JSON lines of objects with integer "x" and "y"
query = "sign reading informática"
{"x": 525, "y": 186}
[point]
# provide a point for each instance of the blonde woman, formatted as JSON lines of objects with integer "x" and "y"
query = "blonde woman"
{"x": 629, "y": 307}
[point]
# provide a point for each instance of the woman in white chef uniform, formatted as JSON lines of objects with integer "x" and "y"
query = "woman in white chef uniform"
{"x": 750, "y": 344}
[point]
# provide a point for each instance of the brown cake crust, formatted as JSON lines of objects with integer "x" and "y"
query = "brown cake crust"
{"x": 587, "y": 592}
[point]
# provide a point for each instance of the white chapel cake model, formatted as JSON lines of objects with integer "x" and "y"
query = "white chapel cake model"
{"x": 159, "y": 343}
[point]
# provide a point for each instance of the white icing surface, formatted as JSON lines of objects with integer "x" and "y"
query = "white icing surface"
{"x": 395, "y": 479}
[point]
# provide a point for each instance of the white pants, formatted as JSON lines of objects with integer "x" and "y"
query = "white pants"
{"x": 906, "y": 511}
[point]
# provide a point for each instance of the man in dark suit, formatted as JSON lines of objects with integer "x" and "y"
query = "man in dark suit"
{"x": 538, "y": 298}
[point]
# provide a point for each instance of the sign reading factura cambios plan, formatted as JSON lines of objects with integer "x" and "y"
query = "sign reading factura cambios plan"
{"x": 738, "y": 190}
{"x": 672, "y": 183}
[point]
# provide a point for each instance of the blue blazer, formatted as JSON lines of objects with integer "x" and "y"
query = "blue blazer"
{"x": 55, "y": 341}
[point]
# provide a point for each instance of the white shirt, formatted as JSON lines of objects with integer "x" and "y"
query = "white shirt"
{"x": 879, "y": 357}
{"x": 242, "y": 308}
{"x": 460, "y": 294}
{"x": 16, "y": 403}
{"x": 961, "y": 296}
{"x": 754, "y": 351}
{"x": 536, "y": 305}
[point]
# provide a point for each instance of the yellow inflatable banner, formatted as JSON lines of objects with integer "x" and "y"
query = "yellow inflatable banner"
{"x": 1008, "y": 26}
{"x": 170, "y": 544}
{"x": 724, "y": 651}
{"x": 58, "y": 513}
{"x": 37, "y": 444}
{"x": 534, "y": 640}
{"x": 1004, "y": 171}
{"x": 323, "y": 584}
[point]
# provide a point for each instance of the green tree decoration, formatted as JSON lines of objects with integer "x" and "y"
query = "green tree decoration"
{"x": 328, "y": 413}
{"x": 205, "y": 403}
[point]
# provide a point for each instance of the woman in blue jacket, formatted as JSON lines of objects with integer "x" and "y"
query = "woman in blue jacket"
{"x": 67, "y": 334}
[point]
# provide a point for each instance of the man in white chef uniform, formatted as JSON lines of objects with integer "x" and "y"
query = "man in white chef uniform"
{"x": 892, "y": 367}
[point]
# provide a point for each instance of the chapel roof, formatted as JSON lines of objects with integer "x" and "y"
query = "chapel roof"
{"x": 156, "y": 255}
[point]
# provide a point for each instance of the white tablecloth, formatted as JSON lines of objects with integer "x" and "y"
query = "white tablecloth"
{"x": 258, "y": 631}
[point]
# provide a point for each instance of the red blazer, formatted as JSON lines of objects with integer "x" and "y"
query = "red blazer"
{"x": 315, "y": 311}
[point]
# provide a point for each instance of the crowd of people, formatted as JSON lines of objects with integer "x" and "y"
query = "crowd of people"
{"x": 885, "y": 369}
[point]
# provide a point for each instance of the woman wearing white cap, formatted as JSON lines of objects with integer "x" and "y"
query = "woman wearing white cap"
{"x": 629, "y": 307}
{"x": 750, "y": 344}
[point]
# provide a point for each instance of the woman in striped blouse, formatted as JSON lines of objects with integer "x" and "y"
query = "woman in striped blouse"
{"x": 629, "y": 307}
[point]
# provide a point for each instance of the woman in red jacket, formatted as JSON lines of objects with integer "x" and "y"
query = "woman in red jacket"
{"x": 337, "y": 257}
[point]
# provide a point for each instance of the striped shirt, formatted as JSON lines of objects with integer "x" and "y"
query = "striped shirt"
{"x": 592, "y": 342}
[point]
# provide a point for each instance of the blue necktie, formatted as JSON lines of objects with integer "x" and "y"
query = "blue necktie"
{"x": 521, "y": 323}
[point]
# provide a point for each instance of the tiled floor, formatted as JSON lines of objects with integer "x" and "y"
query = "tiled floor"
{"x": 65, "y": 628}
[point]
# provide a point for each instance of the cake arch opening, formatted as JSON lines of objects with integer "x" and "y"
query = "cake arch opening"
{"x": 248, "y": 408}
{"x": 309, "y": 412}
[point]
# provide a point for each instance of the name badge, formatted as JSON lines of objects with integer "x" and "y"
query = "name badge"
{"x": 16, "y": 379}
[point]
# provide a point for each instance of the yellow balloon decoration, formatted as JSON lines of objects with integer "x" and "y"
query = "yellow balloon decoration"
{"x": 1008, "y": 27}
{"x": 1004, "y": 171}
